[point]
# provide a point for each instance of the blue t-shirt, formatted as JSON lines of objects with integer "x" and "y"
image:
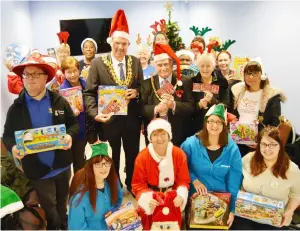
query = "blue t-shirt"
{"x": 41, "y": 116}
{"x": 148, "y": 72}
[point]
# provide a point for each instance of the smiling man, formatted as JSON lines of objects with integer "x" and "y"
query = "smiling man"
{"x": 117, "y": 69}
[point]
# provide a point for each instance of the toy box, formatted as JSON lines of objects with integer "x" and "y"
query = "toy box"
{"x": 112, "y": 99}
{"x": 40, "y": 139}
{"x": 210, "y": 211}
{"x": 15, "y": 54}
{"x": 244, "y": 133}
{"x": 259, "y": 208}
{"x": 123, "y": 218}
{"x": 53, "y": 85}
{"x": 74, "y": 96}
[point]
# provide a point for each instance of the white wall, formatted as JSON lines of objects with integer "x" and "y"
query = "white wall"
{"x": 267, "y": 29}
{"x": 15, "y": 27}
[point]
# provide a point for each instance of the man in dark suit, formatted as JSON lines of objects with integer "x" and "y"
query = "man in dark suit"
{"x": 117, "y": 69}
{"x": 159, "y": 99}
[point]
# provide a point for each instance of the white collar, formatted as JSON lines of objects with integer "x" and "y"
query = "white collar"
{"x": 114, "y": 60}
{"x": 162, "y": 79}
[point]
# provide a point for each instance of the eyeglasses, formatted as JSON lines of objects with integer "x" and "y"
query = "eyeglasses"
{"x": 271, "y": 146}
{"x": 254, "y": 74}
{"x": 75, "y": 72}
{"x": 102, "y": 165}
{"x": 32, "y": 75}
{"x": 211, "y": 122}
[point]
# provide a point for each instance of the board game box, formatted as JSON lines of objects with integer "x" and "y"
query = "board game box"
{"x": 259, "y": 208}
{"x": 243, "y": 133}
{"x": 41, "y": 139}
{"x": 74, "y": 96}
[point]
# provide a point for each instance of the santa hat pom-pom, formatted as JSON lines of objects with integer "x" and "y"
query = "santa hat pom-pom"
{"x": 166, "y": 211}
{"x": 263, "y": 77}
{"x": 179, "y": 83}
{"x": 109, "y": 40}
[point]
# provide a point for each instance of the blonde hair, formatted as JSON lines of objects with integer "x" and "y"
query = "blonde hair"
{"x": 63, "y": 46}
{"x": 206, "y": 55}
{"x": 143, "y": 48}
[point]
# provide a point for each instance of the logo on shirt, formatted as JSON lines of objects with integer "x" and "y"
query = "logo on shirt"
{"x": 50, "y": 110}
{"x": 225, "y": 166}
{"x": 59, "y": 112}
{"x": 274, "y": 184}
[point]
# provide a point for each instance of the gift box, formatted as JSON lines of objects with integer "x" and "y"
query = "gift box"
{"x": 259, "y": 208}
{"x": 210, "y": 211}
{"x": 112, "y": 99}
{"x": 244, "y": 133}
{"x": 123, "y": 218}
{"x": 74, "y": 96}
{"x": 41, "y": 139}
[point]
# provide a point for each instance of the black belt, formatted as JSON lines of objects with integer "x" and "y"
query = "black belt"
{"x": 157, "y": 189}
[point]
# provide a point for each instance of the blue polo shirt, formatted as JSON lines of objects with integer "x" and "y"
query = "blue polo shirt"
{"x": 41, "y": 116}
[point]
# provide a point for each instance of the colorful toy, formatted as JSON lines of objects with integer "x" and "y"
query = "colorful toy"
{"x": 243, "y": 133}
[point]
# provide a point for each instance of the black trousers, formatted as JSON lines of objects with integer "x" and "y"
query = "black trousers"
{"x": 246, "y": 224}
{"x": 53, "y": 196}
{"x": 78, "y": 153}
{"x": 127, "y": 131}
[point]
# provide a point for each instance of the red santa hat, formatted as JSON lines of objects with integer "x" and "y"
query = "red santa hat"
{"x": 159, "y": 123}
{"x": 164, "y": 51}
{"x": 119, "y": 27}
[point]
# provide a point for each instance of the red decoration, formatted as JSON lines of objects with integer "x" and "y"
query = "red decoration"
{"x": 162, "y": 26}
{"x": 200, "y": 49}
{"x": 63, "y": 37}
{"x": 166, "y": 179}
{"x": 179, "y": 93}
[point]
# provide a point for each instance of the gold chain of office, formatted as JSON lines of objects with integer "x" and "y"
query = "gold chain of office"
{"x": 154, "y": 89}
{"x": 128, "y": 79}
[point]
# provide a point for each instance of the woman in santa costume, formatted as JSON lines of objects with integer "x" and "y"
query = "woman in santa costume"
{"x": 159, "y": 167}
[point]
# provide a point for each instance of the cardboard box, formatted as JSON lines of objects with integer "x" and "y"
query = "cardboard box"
{"x": 74, "y": 96}
{"x": 259, "y": 208}
{"x": 210, "y": 211}
{"x": 123, "y": 218}
{"x": 40, "y": 139}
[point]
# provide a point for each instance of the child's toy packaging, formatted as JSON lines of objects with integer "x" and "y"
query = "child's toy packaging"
{"x": 74, "y": 96}
{"x": 123, "y": 218}
{"x": 259, "y": 208}
{"x": 243, "y": 133}
{"x": 210, "y": 211}
{"x": 41, "y": 139}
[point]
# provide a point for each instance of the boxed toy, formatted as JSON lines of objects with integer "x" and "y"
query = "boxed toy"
{"x": 74, "y": 96}
{"x": 210, "y": 211}
{"x": 123, "y": 218}
{"x": 41, "y": 139}
{"x": 259, "y": 208}
{"x": 112, "y": 99}
{"x": 244, "y": 133}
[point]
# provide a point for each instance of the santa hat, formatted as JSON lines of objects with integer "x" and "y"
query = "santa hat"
{"x": 259, "y": 61}
{"x": 91, "y": 40}
{"x": 218, "y": 110}
{"x": 10, "y": 202}
{"x": 187, "y": 53}
{"x": 164, "y": 51}
{"x": 119, "y": 27}
{"x": 159, "y": 123}
{"x": 166, "y": 211}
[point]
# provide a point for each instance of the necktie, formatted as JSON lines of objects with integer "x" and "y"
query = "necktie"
{"x": 164, "y": 82}
{"x": 122, "y": 75}
{"x": 163, "y": 115}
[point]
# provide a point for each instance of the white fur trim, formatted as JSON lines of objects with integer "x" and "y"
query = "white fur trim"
{"x": 258, "y": 60}
{"x": 144, "y": 202}
{"x": 179, "y": 83}
{"x": 165, "y": 166}
{"x": 159, "y": 124}
{"x": 187, "y": 53}
{"x": 263, "y": 77}
{"x": 109, "y": 40}
{"x": 161, "y": 57}
{"x": 121, "y": 34}
{"x": 89, "y": 39}
{"x": 166, "y": 211}
{"x": 11, "y": 208}
{"x": 183, "y": 192}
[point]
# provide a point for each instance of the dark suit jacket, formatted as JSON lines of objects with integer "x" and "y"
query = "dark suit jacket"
{"x": 183, "y": 110}
{"x": 99, "y": 74}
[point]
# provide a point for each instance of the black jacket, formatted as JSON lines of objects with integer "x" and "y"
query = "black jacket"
{"x": 18, "y": 118}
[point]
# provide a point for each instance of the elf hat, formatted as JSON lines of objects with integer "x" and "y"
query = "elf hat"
{"x": 187, "y": 53}
{"x": 159, "y": 123}
{"x": 218, "y": 110}
{"x": 10, "y": 202}
{"x": 89, "y": 39}
{"x": 100, "y": 149}
{"x": 119, "y": 27}
{"x": 164, "y": 51}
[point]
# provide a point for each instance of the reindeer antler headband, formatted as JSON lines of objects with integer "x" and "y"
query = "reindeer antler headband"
{"x": 159, "y": 27}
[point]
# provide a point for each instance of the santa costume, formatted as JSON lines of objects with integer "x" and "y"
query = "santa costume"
{"x": 155, "y": 174}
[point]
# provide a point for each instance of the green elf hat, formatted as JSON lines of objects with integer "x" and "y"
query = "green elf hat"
{"x": 10, "y": 202}
{"x": 218, "y": 110}
{"x": 100, "y": 149}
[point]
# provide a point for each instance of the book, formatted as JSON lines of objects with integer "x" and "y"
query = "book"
{"x": 238, "y": 66}
{"x": 53, "y": 85}
{"x": 123, "y": 218}
{"x": 74, "y": 96}
{"x": 259, "y": 208}
{"x": 112, "y": 99}
{"x": 210, "y": 211}
{"x": 244, "y": 133}
{"x": 42, "y": 139}
{"x": 202, "y": 87}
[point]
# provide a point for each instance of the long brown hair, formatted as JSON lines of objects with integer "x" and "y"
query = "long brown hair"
{"x": 84, "y": 181}
{"x": 257, "y": 164}
{"x": 204, "y": 137}
{"x": 254, "y": 66}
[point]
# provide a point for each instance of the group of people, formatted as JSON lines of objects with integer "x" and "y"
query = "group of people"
{"x": 188, "y": 148}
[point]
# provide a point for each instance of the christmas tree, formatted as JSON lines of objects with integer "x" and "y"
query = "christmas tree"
{"x": 175, "y": 41}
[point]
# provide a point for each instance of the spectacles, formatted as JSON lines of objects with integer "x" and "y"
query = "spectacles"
{"x": 75, "y": 72}
{"x": 219, "y": 123}
{"x": 32, "y": 75}
{"x": 254, "y": 74}
{"x": 271, "y": 146}
{"x": 102, "y": 165}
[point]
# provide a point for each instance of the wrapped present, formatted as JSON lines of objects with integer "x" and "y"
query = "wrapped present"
{"x": 112, "y": 99}
{"x": 259, "y": 208}
{"x": 74, "y": 96}
{"x": 244, "y": 133}
{"x": 167, "y": 88}
{"x": 202, "y": 87}
{"x": 41, "y": 139}
{"x": 210, "y": 211}
{"x": 123, "y": 218}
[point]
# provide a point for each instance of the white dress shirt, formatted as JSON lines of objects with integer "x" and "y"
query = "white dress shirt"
{"x": 115, "y": 63}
